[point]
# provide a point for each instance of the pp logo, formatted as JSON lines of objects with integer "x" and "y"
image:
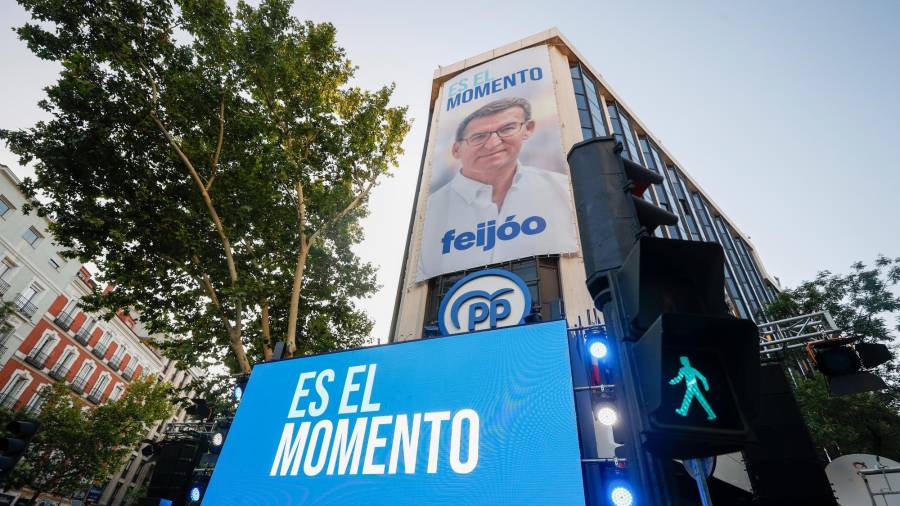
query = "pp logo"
{"x": 488, "y": 299}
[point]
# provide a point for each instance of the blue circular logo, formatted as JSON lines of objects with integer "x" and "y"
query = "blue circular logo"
{"x": 488, "y": 299}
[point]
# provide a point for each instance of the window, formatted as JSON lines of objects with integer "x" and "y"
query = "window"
{"x": 55, "y": 262}
{"x": 32, "y": 236}
{"x": 99, "y": 387}
{"x": 63, "y": 364}
{"x": 6, "y": 266}
{"x": 116, "y": 393}
{"x": 37, "y": 400}
{"x": 5, "y": 206}
{"x": 588, "y": 102}
{"x": 84, "y": 373}
{"x": 10, "y": 394}
{"x": 116, "y": 358}
{"x": 41, "y": 352}
{"x": 622, "y": 131}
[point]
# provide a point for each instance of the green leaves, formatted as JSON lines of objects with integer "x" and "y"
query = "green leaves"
{"x": 860, "y": 302}
{"x": 76, "y": 447}
{"x": 182, "y": 136}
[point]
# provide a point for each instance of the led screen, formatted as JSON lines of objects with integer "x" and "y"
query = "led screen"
{"x": 479, "y": 418}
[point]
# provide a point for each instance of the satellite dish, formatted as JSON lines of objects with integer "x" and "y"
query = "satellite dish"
{"x": 851, "y": 488}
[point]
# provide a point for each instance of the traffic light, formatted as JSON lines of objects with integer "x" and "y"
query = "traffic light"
{"x": 698, "y": 382}
{"x": 843, "y": 363}
{"x": 14, "y": 445}
{"x": 689, "y": 368}
{"x": 611, "y": 212}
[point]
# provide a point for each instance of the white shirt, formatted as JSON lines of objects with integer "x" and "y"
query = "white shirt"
{"x": 461, "y": 218}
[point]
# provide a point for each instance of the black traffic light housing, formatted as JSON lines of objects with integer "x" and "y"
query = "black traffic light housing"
{"x": 843, "y": 362}
{"x": 671, "y": 276}
{"x": 608, "y": 189}
{"x": 14, "y": 445}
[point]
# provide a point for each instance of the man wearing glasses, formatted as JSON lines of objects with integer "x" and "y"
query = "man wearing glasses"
{"x": 495, "y": 209}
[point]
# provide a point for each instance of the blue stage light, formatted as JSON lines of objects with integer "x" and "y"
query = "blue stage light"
{"x": 597, "y": 349}
{"x": 621, "y": 496}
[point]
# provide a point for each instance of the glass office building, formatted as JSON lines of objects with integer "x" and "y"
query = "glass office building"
{"x": 587, "y": 107}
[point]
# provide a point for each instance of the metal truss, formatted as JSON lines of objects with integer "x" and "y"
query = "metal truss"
{"x": 183, "y": 430}
{"x": 796, "y": 332}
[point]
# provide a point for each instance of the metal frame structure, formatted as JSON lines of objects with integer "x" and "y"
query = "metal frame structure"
{"x": 796, "y": 332}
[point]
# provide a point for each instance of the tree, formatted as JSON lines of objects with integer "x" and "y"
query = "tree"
{"x": 214, "y": 163}
{"x": 860, "y": 303}
{"x": 76, "y": 447}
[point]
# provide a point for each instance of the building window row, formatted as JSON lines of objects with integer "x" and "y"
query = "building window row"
{"x": 746, "y": 289}
{"x": 590, "y": 112}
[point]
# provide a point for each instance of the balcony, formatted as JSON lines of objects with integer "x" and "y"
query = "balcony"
{"x": 78, "y": 385}
{"x": 99, "y": 351}
{"x": 95, "y": 396}
{"x": 59, "y": 372}
{"x": 24, "y": 306}
{"x": 4, "y": 286}
{"x": 83, "y": 335}
{"x": 64, "y": 320}
{"x": 114, "y": 362}
{"x": 7, "y": 401}
{"x": 38, "y": 360}
{"x": 129, "y": 373}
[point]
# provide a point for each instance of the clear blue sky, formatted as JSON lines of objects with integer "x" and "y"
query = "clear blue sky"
{"x": 787, "y": 113}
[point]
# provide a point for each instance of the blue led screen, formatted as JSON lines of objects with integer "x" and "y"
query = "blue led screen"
{"x": 480, "y": 418}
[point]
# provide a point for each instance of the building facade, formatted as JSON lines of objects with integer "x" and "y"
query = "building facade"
{"x": 583, "y": 106}
{"x": 46, "y": 338}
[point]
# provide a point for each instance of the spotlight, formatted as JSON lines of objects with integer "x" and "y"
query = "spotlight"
{"x": 607, "y": 415}
{"x": 238, "y": 392}
{"x": 217, "y": 439}
{"x": 597, "y": 349}
{"x": 621, "y": 496}
{"x": 195, "y": 493}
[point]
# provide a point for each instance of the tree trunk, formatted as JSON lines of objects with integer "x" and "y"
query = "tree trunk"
{"x": 266, "y": 333}
{"x": 234, "y": 339}
{"x": 291, "y": 340}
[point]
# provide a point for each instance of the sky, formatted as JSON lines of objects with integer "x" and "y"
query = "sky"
{"x": 786, "y": 113}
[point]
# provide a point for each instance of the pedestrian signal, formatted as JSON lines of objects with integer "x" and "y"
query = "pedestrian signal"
{"x": 698, "y": 383}
{"x": 692, "y": 379}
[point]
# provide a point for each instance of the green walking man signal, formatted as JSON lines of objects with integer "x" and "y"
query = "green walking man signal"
{"x": 690, "y": 377}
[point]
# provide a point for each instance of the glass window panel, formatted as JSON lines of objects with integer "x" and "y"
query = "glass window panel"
{"x": 585, "y": 118}
{"x": 579, "y": 87}
{"x": 587, "y": 133}
{"x": 580, "y": 100}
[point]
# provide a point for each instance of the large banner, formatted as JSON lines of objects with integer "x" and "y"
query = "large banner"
{"x": 499, "y": 187}
{"x": 479, "y": 418}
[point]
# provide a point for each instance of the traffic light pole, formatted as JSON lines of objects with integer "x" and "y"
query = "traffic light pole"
{"x": 647, "y": 470}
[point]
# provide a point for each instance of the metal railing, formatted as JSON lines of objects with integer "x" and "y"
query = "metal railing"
{"x": 78, "y": 385}
{"x": 24, "y": 305}
{"x": 129, "y": 372}
{"x": 883, "y": 471}
{"x": 4, "y": 286}
{"x": 64, "y": 320}
{"x": 83, "y": 335}
{"x": 95, "y": 396}
{"x": 8, "y": 400}
{"x": 59, "y": 372}
{"x": 99, "y": 351}
{"x": 38, "y": 360}
{"x": 115, "y": 362}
